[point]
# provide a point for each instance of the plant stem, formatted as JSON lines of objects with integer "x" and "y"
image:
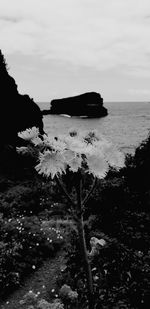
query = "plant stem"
{"x": 65, "y": 191}
{"x": 90, "y": 192}
{"x": 81, "y": 233}
{"x": 80, "y": 226}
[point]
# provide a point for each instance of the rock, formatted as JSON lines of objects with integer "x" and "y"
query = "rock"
{"x": 89, "y": 104}
{"x": 18, "y": 112}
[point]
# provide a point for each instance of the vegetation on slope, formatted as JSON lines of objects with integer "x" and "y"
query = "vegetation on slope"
{"x": 118, "y": 212}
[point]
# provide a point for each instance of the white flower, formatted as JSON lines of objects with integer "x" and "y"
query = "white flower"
{"x": 51, "y": 164}
{"x": 95, "y": 245}
{"x": 29, "y": 134}
{"x": 96, "y": 241}
{"x": 75, "y": 144}
{"x": 69, "y": 155}
{"x": 72, "y": 151}
{"x": 75, "y": 164}
{"x": 37, "y": 141}
{"x": 102, "y": 242}
{"x": 114, "y": 157}
{"x": 97, "y": 165}
{"x": 91, "y": 136}
{"x": 76, "y": 148}
{"x": 22, "y": 150}
{"x": 73, "y": 160}
{"x": 95, "y": 278}
{"x": 86, "y": 135}
{"x": 55, "y": 143}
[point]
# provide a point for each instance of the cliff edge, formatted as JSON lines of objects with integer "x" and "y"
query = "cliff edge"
{"x": 17, "y": 112}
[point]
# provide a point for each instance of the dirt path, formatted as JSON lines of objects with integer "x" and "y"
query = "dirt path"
{"x": 43, "y": 281}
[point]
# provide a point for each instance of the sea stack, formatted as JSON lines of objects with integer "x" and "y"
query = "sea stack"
{"x": 88, "y": 104}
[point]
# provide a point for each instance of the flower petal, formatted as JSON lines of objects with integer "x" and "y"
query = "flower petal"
{"x": 29, "y": 134}
{"x": 23, "y": 150}
{"x": 97, "y": 165}
{"x": 51, "y": 164}
{"x": 75, "y": 164}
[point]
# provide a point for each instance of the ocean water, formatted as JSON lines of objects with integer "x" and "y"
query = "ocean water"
{"x": 127, "y": 123}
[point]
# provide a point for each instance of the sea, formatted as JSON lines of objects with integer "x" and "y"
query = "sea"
{"x": 126, "y": 126}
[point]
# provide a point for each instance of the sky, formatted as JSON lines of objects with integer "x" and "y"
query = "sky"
{"x": 60, "y": 48}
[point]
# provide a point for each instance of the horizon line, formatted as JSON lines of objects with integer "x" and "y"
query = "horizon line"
{"x": 114, "y": 101}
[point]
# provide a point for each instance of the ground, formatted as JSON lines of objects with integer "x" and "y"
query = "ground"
{"x": 43, "y": 281}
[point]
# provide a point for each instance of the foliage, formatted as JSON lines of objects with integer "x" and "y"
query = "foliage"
{"x": 32, "y": 300}
{"x": 27, "y": 237}
{"x": 117, "y": 212}
{"x": 86, "y": 153}
{"x": 138, "y": 167}
{"x": 120, "y": 208}
{"x": 68, "y": 296}
{"x": 25, "y": 241}
{"x": 121, "y": 275}
{"x": 30, "y": 197}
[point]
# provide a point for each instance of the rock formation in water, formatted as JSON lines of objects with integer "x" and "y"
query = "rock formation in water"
{"x": 89, "y": 104}
{"x": 17, "y": 112}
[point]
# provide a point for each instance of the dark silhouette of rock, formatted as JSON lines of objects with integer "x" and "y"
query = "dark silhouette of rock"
{"x": 17, "y": 112}
{"x": 89, "y": 104}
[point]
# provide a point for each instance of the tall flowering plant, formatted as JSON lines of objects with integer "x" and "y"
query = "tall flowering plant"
{"x": 81, "y": 153}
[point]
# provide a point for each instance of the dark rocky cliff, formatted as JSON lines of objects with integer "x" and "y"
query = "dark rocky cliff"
{"x": 89, "y": 104}
{"x": 17, "y": 112}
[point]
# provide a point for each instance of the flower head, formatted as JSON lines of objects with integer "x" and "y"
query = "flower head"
{"x": 23, "y": 150}
{"x": 73, "y": 159}
{"x": 54, "y": 143}
{"x": 51, "y": 164}
{"x": 88, "y": 151}
{"x": 74, "y": 143}
{"x": 97, "y": 165}
{"x": 29, "y": 134}
{"x": 114, "y": 157}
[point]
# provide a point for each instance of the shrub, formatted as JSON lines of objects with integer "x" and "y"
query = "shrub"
{"x": 25, "y": 243}
{"x": 121, "y": 275}
{"x": 32, "y": 301}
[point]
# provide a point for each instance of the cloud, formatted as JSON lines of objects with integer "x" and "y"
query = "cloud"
{"x": 56, "y": 47}
{"x": 141, "y": 92}
{"x": 139, "y": 72}
{"x": 97, "y": 33}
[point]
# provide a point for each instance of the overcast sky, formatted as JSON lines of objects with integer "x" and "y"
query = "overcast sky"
{"x": 57, "y": 48}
